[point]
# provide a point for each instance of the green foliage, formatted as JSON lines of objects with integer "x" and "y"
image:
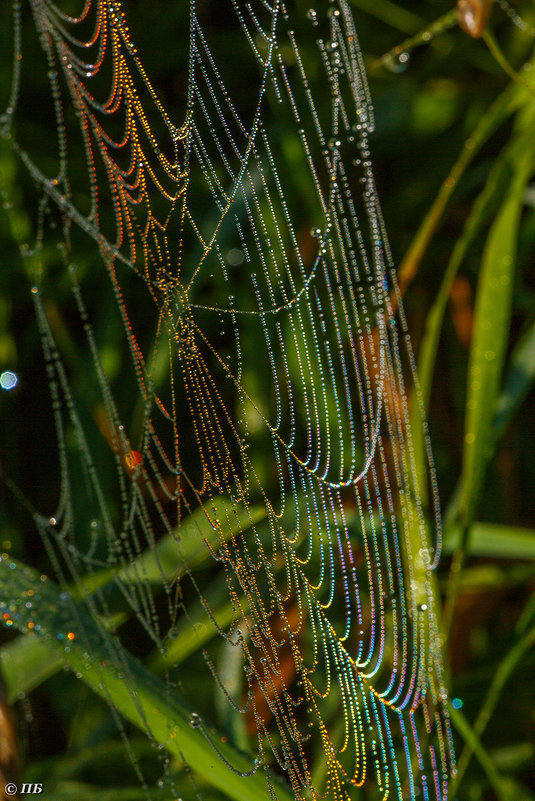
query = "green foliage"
{"x": 103, "y": 664}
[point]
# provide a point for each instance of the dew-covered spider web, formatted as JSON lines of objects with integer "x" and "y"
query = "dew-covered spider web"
{"x": 227, "y": 384}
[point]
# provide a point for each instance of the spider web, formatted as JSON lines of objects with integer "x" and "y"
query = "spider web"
{"x": 264, "y": 342}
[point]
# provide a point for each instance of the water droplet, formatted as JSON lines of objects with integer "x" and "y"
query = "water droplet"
{"x": 235, "y": 257}
{"x": 312, "y": 15}
{"x": 8, "y": 380}
{"x": 398, "y": 64}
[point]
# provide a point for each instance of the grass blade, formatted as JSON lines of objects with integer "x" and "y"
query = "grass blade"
{"x": 395, "y": 16}
{"x": 25, "y": 663}
{"x": 501, "y": 677}
{"x": 494, "y": 541}
{"x": 489, "y": 343}
{"x": 519, "y": 379}
{"x": 122, "y": 680}
{"x": 481, "y": 211}
{"x": 473, "y": 741}
{"x": 491, "y": 321}
{"x": 500, "y": 110}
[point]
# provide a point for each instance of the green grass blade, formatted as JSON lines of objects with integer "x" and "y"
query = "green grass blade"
{"x": 505, "y": 105}
{"x": 491, "y": 322}
{"x": 489, "y": 577}
{"x": 519, "y": 379}
{"x": 494, "y": 541}
{"x": 427, "y": 35}
{"x": 499, "y": 681}
{"x": 500, "y": 110}
{"x": 194, "y": 632}
{"x": 473, "y": 741}
{"x": 481, "y": 211}
{"x": 25, "y": 663}
{"x": 395, "y": 16}
{"x": 101, "y": 662}
{"x": 173, "y": 554}
{"x": 489, "y": 342}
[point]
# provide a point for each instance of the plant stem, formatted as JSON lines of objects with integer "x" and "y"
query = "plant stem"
{"x": 440, "y": 25}
{"x": 500, "y": 108}
{"x": 501, "y": 60}
{"x": 505, "y": 669}
{"x": 470, "y": 738}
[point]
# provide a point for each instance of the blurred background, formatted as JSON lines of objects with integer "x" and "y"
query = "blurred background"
{"x": 454, "y": 159}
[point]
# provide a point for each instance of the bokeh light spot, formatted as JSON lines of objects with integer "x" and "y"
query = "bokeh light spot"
{"x": 8, "y": 380}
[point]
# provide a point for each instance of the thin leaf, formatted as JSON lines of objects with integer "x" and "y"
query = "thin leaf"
{"x": 395, "y": 16}
{"x": 175, "y": 553}
{"x": 481, "y": 210}
{"x": 491, "y": 323}
{"x": 197, "y": 628}
{"x": 489, "y": 344}
{"x": 472, "y": 740}
{"x": 25, "y": 663}
{"x": 489, "y": 577}
{"x": 509, "y": 101}
{"x": 499, "y": 681}
{"x": 519, "y": 380}
{"x": 102, "y": 663}
{"x": 494, "y": 541}
{"x": 426, "y": 35}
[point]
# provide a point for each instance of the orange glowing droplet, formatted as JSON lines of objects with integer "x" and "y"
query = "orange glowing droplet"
{"x": 71, "y": 635}
{"x": 473, "y": 16}
{"x": 132, "y": 459}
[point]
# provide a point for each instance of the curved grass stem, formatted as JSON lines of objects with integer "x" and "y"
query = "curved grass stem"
{"x": 501, "y": 60}
{"x": 504, "y": 105}
{"x": 440, "y": 25}
{"x": 501, "y": 676}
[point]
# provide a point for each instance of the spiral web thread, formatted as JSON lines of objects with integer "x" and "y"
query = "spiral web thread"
{"x": 249, "y": 233}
